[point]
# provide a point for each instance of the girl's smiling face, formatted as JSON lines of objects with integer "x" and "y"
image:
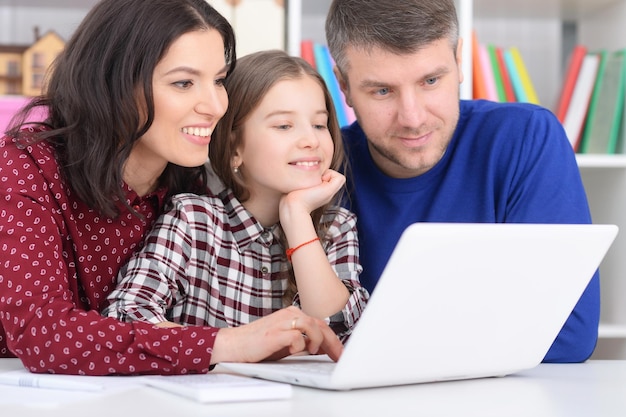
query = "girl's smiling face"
{"x": 286, "y": 142}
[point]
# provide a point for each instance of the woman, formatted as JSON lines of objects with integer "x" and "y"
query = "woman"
{"x": 131, "y": 102}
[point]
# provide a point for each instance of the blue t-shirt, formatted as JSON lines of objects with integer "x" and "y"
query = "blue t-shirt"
{"x": 506, "y": 163}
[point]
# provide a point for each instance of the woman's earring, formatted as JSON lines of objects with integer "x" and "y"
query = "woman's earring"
{"x": 236, "y": 170}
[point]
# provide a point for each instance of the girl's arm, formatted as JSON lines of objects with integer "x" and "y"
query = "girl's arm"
{"x": 321, "y": 293}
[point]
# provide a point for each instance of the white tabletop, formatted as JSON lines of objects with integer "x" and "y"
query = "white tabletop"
{"x": 594, "y": 388}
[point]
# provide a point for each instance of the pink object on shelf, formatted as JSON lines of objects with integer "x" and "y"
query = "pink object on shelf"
{"x": 9, "y": 105}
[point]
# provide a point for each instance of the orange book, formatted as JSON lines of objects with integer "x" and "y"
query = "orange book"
{"x": 573, "y": 68}
{"x": 479, "y": 85}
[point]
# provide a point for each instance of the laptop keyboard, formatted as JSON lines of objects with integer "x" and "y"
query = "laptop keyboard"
{"x": 322, "y": 368}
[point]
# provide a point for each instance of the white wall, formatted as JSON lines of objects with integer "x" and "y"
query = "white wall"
{"x": 17, "y": 23}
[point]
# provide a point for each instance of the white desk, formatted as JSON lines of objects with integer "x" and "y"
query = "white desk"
{"x": 592, "y": 389}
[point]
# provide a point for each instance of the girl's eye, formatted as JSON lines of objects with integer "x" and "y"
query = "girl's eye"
{"x": 320, "y": 127}
{"x": 220, "y": 81}
{"x": 283, "y": 127}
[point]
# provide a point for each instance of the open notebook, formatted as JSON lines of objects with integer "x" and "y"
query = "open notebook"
{"x": 459, "y": 301}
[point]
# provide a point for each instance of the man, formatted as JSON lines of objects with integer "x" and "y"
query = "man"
{"x": 418, "y": 153}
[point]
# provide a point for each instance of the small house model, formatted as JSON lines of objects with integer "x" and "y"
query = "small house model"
{"x": 23, "y": 67}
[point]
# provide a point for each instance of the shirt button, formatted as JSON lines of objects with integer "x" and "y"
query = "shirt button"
{"x": 264, "y": 269}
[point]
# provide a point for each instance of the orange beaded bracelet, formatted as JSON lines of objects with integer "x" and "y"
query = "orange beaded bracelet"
{"x": 290, "y": 251}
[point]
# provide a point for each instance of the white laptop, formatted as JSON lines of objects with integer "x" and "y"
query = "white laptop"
{"x": 459, "y": 301}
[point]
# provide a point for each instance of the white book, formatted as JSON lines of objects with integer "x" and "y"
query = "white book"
{"x": 219, "y": 387}
{"x": 577, "y": 111}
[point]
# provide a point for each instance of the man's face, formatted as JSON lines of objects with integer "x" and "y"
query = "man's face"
{"x": 408, "y": 105}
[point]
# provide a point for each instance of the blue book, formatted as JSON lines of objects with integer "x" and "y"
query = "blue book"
{"x": 324, "y": 65}
{"x": 514, "y": 75}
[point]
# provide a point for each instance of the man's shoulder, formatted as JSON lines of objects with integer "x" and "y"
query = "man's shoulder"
{"x": 354, "y": 142}
{"x": 502, "y": 111}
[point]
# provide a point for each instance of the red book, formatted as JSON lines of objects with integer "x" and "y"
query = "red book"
{"x": 504, "y": 73}
{"x": 573, "y": 68}
{"x": 306, "y": 51}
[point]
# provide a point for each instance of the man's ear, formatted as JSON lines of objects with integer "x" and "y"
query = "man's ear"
{"x": 343, "y": 84}
{"x": 459, "y": 59}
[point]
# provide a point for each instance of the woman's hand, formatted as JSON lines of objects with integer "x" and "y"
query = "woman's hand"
{"x": 282, "y": 333}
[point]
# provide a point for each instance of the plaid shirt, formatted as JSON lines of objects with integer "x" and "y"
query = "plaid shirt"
{"x": 209, "y": 262}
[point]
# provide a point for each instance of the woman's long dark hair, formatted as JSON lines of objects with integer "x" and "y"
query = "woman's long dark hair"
{"x": 92, "y": 94}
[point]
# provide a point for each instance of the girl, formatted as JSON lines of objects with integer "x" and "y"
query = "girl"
{"x": 274, "y": 236}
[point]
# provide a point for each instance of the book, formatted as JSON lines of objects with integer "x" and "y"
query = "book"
{"x": 479, "y": 89}
{"x": 516, "y": 80}
{"x": 569, "y": 81}
{"x": 524, "y": 82}
{"x": 306, "y": 52}
{"x": 504, "y": 73}
{"x": 497, "y": 73}
{"x": 324, "y": 65}
{"x": 621, "y": 139}
{"x": 485, "y": 63}
{"x": 607, "y": 102}
{"x": 219, "y": 387}
{"x": 581, "y": 96}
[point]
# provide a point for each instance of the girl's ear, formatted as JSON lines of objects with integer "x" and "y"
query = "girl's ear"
{"x": 236, "y": 160}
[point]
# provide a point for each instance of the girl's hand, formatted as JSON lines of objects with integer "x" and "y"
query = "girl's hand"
{"x": 308, "y": 199}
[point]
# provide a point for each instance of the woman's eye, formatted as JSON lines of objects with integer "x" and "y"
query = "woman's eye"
{"x": 320, "y": 127}
{"x": 183, "y": 84}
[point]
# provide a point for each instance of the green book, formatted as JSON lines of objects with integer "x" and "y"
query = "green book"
{"x": 602, "y": 128}
{"x": 497, "y": 76}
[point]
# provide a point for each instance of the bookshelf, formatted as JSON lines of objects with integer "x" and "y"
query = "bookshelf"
{"x": 545, "y": 32}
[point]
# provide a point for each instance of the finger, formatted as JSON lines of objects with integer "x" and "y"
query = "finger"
{"x": 317, "y": 332}
{"x": 329, "y": 343}
{"x": 332, "y": 346}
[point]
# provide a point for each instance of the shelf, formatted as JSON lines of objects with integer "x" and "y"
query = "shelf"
{"x": 612, "y": 331}
{"x": 601, "y": 161}
{"x": 539, "y": 9}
